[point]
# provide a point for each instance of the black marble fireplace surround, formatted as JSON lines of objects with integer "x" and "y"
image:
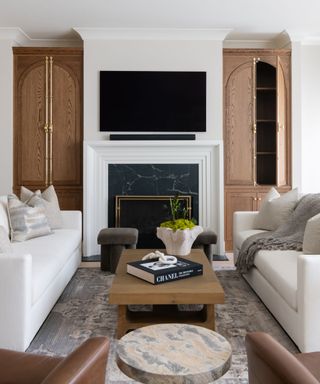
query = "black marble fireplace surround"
{"x": 151, "y": 180}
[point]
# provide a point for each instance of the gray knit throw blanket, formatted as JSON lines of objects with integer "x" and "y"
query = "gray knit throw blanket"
{"x": 289, "y": 235}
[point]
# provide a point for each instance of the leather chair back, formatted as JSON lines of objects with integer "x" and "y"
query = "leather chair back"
{"x": 270, "y": 363}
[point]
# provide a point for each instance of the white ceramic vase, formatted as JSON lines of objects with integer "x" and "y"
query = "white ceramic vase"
{"x": 179, "y": 242}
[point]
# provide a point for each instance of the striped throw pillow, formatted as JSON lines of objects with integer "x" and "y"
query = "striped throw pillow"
{"x": 26, "y": 222}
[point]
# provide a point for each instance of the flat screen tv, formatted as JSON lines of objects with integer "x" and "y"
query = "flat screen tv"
{"x": 147, "y": 101}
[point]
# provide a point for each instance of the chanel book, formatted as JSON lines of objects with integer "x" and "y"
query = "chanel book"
{"x": 155, "y": 272}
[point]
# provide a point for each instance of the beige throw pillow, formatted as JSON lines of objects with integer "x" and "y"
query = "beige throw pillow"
{"x": 26, "y": 222}
{"x": 275, "y": 211}
{"x": 49, "y": 200}
{"x": 311, "y": 239}
{"x": 5, "y": 245}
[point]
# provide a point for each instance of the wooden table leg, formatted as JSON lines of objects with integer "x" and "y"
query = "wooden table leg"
{"x": 210, "y": 318}
{"x": 122, "y": 321}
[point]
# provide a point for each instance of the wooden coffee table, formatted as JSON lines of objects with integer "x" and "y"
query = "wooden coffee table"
{"x": 130, "y": 290}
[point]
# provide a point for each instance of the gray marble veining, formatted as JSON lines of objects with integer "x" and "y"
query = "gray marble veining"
{"x": 153, "y": 179}
{"x": 194, "y": 355}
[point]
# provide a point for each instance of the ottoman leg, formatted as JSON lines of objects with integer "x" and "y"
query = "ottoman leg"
{"x": 110, "y": 255}
{"x": 115, "y": 252}
{"x": 208, "y": 250}
{"x": 105, "y": 259}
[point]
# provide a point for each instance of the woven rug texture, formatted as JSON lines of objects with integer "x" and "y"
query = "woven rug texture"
{"x": 83, "y": 311}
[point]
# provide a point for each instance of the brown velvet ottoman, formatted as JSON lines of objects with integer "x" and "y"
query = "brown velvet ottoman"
{"x": 113, "y": 241}
{"x": 205, "y": 241}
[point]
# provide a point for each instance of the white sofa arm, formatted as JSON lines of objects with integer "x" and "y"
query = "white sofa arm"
{"x": 72, "y": 220}
{"x": 243, "y": 220}
{"x": 15, "y": 300}
{"x": 309, "y": 301}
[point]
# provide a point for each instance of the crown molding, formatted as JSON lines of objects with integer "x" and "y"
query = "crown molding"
{"x": 53, "y": 43}
{"x": 303, "y": 38}
{"x": 311, "y": 40}
{"x": 259, "y": 44}
{"x": 13, "y": 34}
{"x": 152, "y": 33}
{"x": 18, "y": 37}
{"x": 282, "y": 40}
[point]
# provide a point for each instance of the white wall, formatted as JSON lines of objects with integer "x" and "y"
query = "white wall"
{"x": 296, "y": 115}
{"x": 154, "y": 55}
{"x": 6, "y": 123}
{"x": 310, "y": 118}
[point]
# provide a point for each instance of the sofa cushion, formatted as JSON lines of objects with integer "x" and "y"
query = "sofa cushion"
{"x": 241, "y": 236}
{"x": 4, "y": 221}
{"x": 275, "y": 211}
{"x": 311, "y": 238}
{"x": 49, "y": 256}
{"x": 49, "y": 200}
{"x": 26, "y": 222}
{"x": 279, "y": 268}
{"x": 5, "y": 245}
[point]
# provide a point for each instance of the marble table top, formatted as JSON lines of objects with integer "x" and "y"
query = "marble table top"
{"x": 174, "y": 354}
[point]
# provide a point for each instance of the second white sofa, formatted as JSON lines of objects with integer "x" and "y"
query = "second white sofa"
{"x": 288, "y": 282}
{"x": 33, "y": 276}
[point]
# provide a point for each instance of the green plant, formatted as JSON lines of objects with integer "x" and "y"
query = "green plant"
{"x": 178, "y": 216}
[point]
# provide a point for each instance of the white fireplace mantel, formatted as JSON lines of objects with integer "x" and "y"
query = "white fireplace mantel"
{"x": 208, "y": 154}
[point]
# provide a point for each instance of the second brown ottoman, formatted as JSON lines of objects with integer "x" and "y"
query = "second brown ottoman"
{"x": 113, "y": 241}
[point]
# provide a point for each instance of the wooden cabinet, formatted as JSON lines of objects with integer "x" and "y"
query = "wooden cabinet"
{"x": 48, "y": 130}
{"x": 257, "y": 128}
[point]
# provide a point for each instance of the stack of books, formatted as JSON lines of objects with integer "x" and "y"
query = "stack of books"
{"x": 155, "y": 272}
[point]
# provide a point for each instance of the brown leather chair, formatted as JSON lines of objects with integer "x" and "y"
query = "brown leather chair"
{"x": 86, "y": 364}
{"x": 270, "y": 363}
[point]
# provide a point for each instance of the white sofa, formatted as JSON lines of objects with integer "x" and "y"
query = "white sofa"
{"x": 33, "y": 277}
{"x": 288, "y": 282}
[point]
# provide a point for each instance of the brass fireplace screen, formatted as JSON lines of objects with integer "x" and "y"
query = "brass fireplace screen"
{"x": 146, "y": 212}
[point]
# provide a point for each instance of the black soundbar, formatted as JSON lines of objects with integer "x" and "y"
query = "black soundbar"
{"x": 153, "y": 136}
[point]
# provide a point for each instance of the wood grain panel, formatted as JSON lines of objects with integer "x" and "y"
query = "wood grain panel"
{"x": 236, "y": 200}
{"x": 238, "y": 126}
{"x": 66, "y": 128}
{"x": 31, "y": 135}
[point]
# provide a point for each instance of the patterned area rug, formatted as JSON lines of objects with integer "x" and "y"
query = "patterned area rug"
{"x": 83, "y": 311}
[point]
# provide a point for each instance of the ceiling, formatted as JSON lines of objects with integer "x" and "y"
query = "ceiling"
{"x": 248, "y": 19}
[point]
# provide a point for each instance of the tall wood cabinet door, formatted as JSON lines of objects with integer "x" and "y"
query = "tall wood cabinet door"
{"x": 48, "y": 92}
{"x": 67, "y": 132}
{"x": 238, "y": 123}
{"x": 236, "y": 201}
{"x": 283, "y": 116}
{"x": 29, "y": 121}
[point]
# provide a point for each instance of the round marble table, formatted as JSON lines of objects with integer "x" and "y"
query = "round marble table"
{"x": 173, "y": 354}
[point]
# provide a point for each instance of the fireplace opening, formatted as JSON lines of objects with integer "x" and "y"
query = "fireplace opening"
{"x": 146, "y": 213}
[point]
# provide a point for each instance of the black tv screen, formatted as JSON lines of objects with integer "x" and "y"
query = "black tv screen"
{"x": 139, "y": 101}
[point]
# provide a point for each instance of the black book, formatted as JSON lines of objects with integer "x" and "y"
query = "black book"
{"x": 155, "y": 272}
